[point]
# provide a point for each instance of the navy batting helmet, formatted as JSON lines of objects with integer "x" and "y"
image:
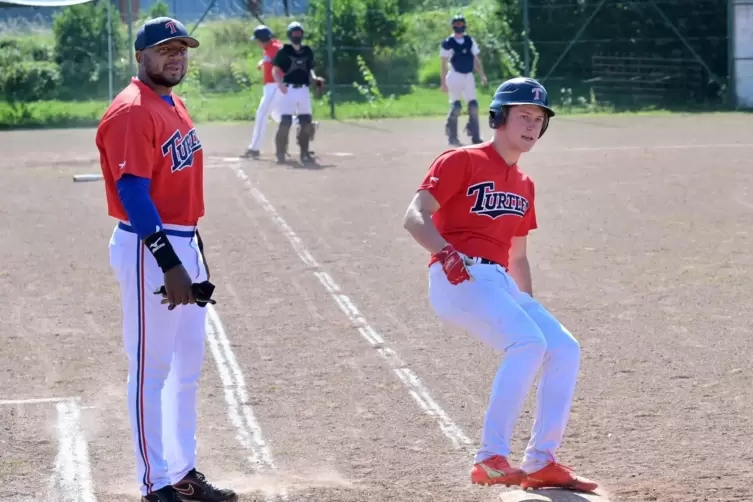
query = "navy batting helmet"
{"x": 262, "y": 33}
{"x": 518, "y": 91}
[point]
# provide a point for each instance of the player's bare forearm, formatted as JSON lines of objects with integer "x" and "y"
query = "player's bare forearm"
{"x": 443, "y": 69}
{"x": 520, "y": 271}
{"x": 421, "y": 227}
{"x": 478, "y": 66}
{"x": 419, "y": 224}
{"x": 277, "y": 75}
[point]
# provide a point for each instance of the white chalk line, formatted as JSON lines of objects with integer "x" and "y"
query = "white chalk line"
{"x": 41, "y": 400}
{"x": 415, "y": 386}
{"x": 241, "y": 414}
{"x": 71, "y": 480}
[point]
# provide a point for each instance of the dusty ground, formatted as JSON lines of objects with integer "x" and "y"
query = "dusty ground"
{"x": 643, "y": 252}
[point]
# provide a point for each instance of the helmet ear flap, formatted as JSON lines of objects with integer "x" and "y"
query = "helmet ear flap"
{"x": 544, "y": 126}
{"x": 497, "y": 118}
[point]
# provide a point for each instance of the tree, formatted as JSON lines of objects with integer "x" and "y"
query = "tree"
{"x": 81, "y": 48}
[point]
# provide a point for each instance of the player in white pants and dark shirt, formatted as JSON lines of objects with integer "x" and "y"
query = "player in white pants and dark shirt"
{"x": 459, "y": 53}
{"x": 294, "y": 72}
{"x": 269, "y": 105}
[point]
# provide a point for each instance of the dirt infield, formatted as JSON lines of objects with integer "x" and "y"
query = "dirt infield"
{"x": 328, "y": 378}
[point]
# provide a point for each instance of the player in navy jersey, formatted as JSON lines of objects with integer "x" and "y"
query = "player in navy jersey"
{"x": 459, "y": 53}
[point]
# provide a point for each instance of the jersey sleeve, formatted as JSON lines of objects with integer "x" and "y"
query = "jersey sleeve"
{"x": 475, "y": 50}
{"x": 445, "y": 51}
{"x": 129, "y": 143}
{"x": 529, "y": 220}
{"x": 447, "y": 175}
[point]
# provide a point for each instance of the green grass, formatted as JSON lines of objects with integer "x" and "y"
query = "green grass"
{"x": 241, "y": 106}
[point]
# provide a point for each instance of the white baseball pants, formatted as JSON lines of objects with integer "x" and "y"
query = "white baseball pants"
{"x": 165, "y": 352}
{"x": 296, "y": 101}
{"x": 495, "y": 311}
{"x": 268, "y": 106}
{"x": 460, "y": 85}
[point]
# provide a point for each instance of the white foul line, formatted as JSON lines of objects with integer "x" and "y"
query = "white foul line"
{"x": 36, "y": 400}
{"x": 71, "y": 480}
{"x": 415, "y": 387}
{"x": 236, "y": 394}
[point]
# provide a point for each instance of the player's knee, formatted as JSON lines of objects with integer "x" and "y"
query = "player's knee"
{"x": 286, "y": 121}
{"x": 473, "y": 104}
{"x": 533, "y": 341}
{"x": 304, "y": 119}
{"x": 566, "y": 348}
{"x": 457, "y": 107}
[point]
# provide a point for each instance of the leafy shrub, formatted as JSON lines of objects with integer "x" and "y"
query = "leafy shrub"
{"x": 371, "y": 29}
{"x": 28, "y": 81}
{"x": 15, "y": 50}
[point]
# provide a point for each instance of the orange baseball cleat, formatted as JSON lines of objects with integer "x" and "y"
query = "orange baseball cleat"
{"x": 556, "y": 475}
{"x": 496, "y": 470}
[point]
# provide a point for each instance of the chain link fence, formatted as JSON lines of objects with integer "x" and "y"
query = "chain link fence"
{"x": 631, "y": 53}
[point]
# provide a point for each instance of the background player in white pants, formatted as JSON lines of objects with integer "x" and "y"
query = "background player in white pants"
{"x": 294, "y": 72}
{"x": 473, "y": 213}
{"x": 270, "y": 99}
{"x": 459, "y": 53}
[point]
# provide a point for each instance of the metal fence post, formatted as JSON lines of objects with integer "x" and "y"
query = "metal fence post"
{"x": 330, "y": 61}
{"x": 130, "y": 37}
{"x": 526, "y": 39}
{"x": 109, "y": 48}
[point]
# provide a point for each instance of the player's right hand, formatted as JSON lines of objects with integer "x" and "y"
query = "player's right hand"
{"x": 453, "y": 264}
{"x": 443, "y": 88}
{"x": 178, "y": 287}
{"x": 283, "y": 88}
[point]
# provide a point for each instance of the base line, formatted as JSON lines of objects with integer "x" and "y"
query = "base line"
{"x": 412, "y": 382}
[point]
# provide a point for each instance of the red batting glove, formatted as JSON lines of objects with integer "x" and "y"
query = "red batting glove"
{"x": 453, "y": 265}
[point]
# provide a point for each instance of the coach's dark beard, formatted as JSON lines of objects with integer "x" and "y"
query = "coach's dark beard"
{"x": 164, "y": 81}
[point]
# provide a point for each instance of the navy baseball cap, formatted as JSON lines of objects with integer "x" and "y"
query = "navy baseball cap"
{"x": 160, "y": 30}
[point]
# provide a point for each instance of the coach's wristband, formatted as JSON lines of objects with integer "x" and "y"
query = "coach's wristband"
{"x": 162, "y": 250}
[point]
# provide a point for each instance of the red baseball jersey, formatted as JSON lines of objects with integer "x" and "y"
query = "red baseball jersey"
{"x": 142, "y": 135}
{"x": 484, "y": 202}
{"x": 270, "y": 51}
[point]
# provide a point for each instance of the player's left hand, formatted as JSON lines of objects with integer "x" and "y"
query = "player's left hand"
{"x": 483, "y": 80}
{"x": 202, "y": 293}
{"x": 454, "y": 265}
{"x": 319, "y": 86}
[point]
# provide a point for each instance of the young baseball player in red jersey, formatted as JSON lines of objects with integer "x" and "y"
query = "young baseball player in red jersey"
{"x": 152, "y": 162}
{"x": 473, "y": 212}
{"x": 271, "y": 95}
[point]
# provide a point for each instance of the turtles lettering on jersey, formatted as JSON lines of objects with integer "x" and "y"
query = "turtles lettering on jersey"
{"x": 181, "y": 149}
{"x": 495, "y": 204}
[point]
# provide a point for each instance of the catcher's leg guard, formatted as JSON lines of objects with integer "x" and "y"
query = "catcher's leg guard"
{"x": 451, "y": 128}
{"x": 305, "y": 133}
{"x": 472, "y": 128}
{"x": 281, "y": 140}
